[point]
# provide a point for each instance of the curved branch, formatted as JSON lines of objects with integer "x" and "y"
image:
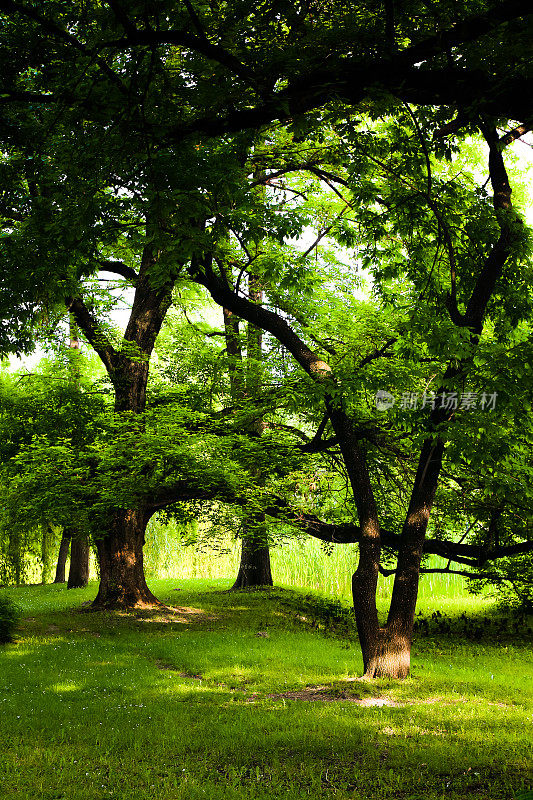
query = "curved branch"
{"x": 119, "y": 268}
{"x": 182, "y": 38}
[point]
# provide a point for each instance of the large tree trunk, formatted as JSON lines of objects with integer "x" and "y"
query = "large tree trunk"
{"x": 402, "y": 609}
{"x": 388, "y": 653}
{"x": 254, "y": 569}
{"x": 120, "y": 554}
{"x": 78, "y": 575}
{"x": 62, "y": 558}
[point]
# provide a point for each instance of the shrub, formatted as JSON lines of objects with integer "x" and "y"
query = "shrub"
{"x": 8, "y": 619}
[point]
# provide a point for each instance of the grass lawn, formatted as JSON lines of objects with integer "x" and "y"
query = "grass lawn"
{"x": 254, "y": 695}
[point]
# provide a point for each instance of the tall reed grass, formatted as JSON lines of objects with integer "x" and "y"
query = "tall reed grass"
{"x": 298, "y": 562}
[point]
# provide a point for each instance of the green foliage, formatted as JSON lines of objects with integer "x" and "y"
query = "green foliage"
{"x": 510, "y": 580}
{"x": 136, "y": 152}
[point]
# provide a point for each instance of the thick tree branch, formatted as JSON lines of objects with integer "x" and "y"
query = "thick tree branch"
{"x": 263, "y": 318}
{"x": 119, "y": 268}
{"x": 514, "y": 134}
{"x": 457, "y": 552}
{"x": 149, "y": 307}
{"x": 183, "y": 38}
{"x": 493, "y": 266}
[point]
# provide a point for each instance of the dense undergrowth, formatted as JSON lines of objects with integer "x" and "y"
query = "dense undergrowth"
{"x": 255, "y": 695}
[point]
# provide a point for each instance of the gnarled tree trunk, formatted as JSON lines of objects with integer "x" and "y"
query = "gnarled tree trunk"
{"x": 388, "y": 654}
{"x": 120, "y": 549}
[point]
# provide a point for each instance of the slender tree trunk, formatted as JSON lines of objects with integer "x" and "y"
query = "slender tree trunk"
{"x": 62, "y": 558}
{"x": 78, "y": 575}
{"x": 45, "y": 554}
{"x": 120, "y": 555}
{"x": 15, "y": 554}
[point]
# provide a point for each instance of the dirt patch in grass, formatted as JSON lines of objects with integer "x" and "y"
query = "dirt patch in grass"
{"x": 165, "y": 665}
{"x": 329, "y": 694}
{"x": 181, "y": 615}
{"x": 325, "y": 694}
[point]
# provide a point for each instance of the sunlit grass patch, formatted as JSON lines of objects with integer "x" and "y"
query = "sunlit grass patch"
{"x": 252, "y": 698}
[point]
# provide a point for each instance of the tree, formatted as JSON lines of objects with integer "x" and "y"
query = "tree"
{"x": 438, "y": 247}
{"x": 120, "y": 210}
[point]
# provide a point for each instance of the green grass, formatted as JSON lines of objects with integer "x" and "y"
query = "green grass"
{"x": 200, "y": 703}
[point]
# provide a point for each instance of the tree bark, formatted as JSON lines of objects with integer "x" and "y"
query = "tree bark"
{"x": 254, "y": 569}
{"x": 78, "y": 575}
{"x": 120, "y": 554}
{"x": 62, "y": 558}
{"x": 387, "y": 654}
